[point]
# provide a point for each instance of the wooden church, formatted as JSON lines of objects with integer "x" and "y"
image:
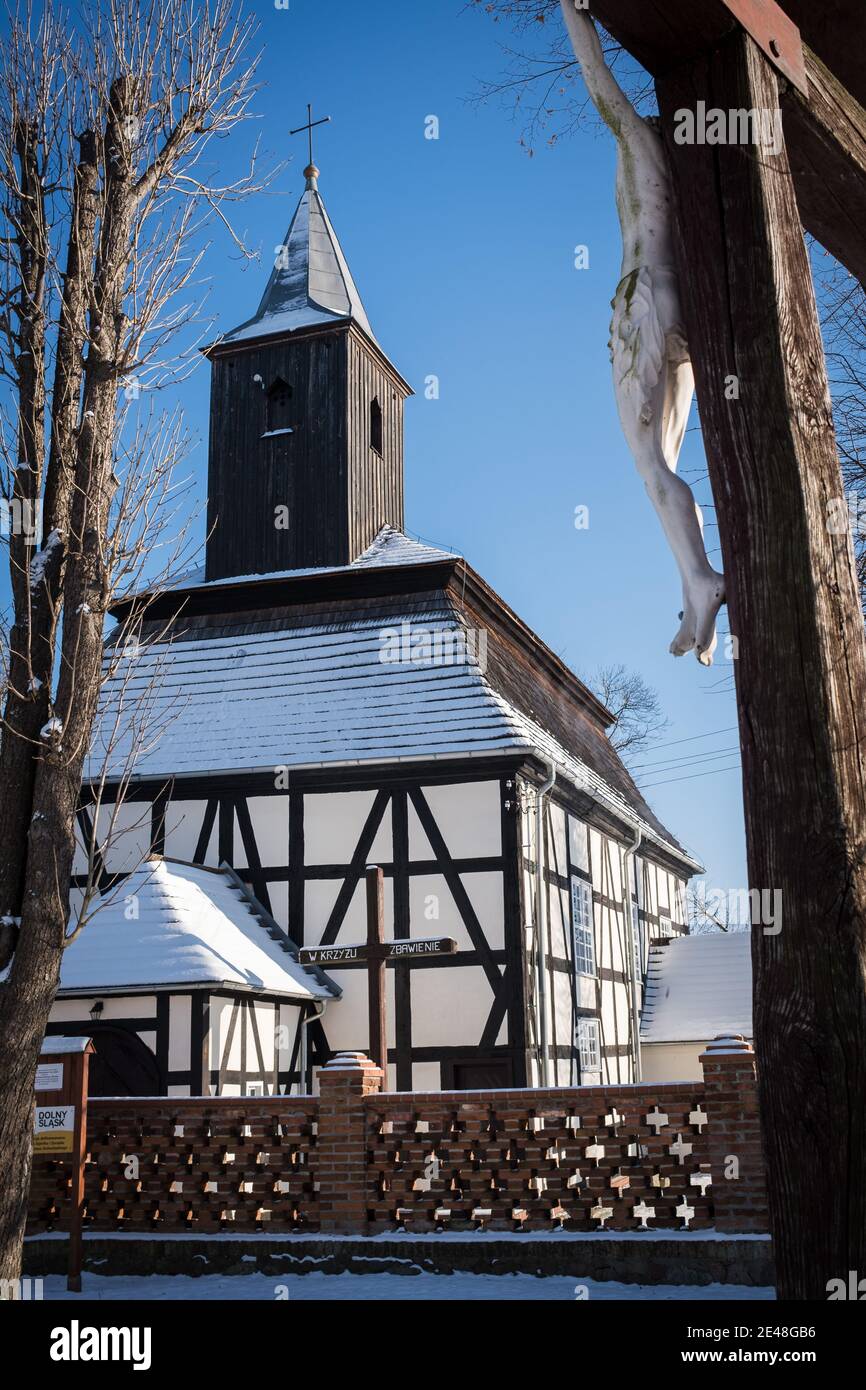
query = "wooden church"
{"x": 326, "y": 694}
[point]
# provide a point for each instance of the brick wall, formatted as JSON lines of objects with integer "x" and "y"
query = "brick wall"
{"x": 354, "y": 1160}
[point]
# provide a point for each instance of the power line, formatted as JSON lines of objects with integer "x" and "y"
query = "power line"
{"x": 735, "y": 767}
{"x": 731, "y": 729}
{"x": 687, "y": 757}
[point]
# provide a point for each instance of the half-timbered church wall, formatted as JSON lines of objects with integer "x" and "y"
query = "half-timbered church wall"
{"x": 332, "y": 694}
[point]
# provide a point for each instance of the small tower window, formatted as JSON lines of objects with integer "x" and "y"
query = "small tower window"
{"x": 376, "y": 425}
{"x": 278, "y": 409}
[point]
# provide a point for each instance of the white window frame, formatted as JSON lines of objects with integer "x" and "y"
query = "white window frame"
{"x": 587, "y": 1040}
{"x": 583, "y": 927}
{"x": 636, "y": 939}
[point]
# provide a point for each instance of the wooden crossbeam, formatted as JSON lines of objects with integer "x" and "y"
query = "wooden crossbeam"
{"x": 825, "y": 132}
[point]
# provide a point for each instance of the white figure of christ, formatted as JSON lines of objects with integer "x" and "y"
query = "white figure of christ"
{"x": 652, "y": 370}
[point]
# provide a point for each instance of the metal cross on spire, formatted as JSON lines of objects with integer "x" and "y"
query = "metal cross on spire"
{"x": 309, "y": 128}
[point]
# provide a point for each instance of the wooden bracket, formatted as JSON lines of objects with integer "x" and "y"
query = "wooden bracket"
{"x": 776, "y": 35}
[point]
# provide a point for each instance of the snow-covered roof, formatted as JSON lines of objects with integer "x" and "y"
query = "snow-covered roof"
{"x": 192, "y": 927}
{"x": 390, "y": 548}
{"x": 370, "y": 689}
{"x": 697, "y": 988}
{"x": 311, "y": 282}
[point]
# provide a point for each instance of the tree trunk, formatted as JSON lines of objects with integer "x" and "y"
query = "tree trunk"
{"x": 33, "y": 634}
{"x": 27, "y": 999}
{"x": 801, "y": 668}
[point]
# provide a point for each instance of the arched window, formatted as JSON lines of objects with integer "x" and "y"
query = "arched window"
{"x": 278, "y": 408}
{"x": 376, "y": 425}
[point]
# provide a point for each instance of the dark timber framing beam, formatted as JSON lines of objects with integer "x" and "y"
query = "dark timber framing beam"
{"x": 825, "y": 133}
{"x": 750, "y": 313}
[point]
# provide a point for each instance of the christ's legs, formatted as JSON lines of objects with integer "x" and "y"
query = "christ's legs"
{"x": 654, "y": 418}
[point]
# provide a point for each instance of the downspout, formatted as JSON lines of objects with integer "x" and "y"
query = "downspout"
{"x": 541, "y": 919}
{"x": 628, "y": 860}
{"x": 321, "y": 1005}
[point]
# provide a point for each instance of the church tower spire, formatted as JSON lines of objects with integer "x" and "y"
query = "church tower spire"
{"x": 306, "y": 438}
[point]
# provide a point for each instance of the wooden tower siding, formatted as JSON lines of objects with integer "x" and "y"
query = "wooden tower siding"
{"x": 339, "y": 492}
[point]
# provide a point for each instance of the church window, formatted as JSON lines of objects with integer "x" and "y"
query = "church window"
{"x": 588, "y": 1039}
{"x": 278, "y": 409}
{"x": 582, "y": 927}
{"x": 376, "y": 425}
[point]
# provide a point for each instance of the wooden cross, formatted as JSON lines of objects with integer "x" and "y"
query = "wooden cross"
{"x": 310, "y": 127}
{"x": 377, "y": 953}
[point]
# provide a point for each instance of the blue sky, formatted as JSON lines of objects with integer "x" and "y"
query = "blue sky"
{"x": 463, "y": 250}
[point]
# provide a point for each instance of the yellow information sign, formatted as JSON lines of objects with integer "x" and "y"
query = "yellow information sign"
{"x": 54, "y": 1129}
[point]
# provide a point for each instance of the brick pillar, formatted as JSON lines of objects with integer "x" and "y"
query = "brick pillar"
{"x": 341, "y": 1148}
{"x": 734, "y": 1132}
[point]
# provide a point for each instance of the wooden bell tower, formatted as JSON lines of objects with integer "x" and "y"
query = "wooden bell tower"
{"x": 305, "y": 462}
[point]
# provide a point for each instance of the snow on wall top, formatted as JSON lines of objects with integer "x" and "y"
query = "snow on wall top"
{"x": 390, "y": 547}
{"x": 311, "y": 282}
{"x": 697, "y": 988}
{"x": 194, "y": 927}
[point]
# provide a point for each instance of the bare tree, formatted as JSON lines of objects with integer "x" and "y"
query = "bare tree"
{"x": 842, "y": 303}
{"x": 540, "y": 81}
{"x": 639, "y": 718}
{"x": 99, "y": 265}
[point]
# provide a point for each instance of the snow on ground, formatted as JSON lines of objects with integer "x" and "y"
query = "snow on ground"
{"x": 376, "y": 1288}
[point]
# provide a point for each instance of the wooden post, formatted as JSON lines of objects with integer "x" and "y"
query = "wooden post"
{"x": 377, "y": 970}
{"x": 794, "y": 610}
{"x": 61, "y": 1083}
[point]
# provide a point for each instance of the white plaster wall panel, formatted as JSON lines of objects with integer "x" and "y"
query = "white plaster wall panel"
{"x": 266, "y": 1018}
{"x": 123, "y": 1006}
{"x": 527, "y": 820}
{"x": 123, "y": 835}
{"x": 287, "y": 1024}
{"x": 449, "y": 1007}
{"x": 578, "y": 843}
{"x": 468, "y": 815}
{"x": 333, "y": 822}
{"x": 559, "y": 923}
{"x": 231, "y": 1088}
{"x": 179, "y": 1091}
{"x": 183, "y": 823}
{"x": 615, "y": 884}
{"x": 179, "y": 1032}
{"x": 426, "y": 1076}
{"x": 278, "y": 893}
{"x": 585, "y": 992}
{"x": 596, "y": 859}
{"x": 319, "y": 899}
{"x": 557, "y": 839}
{"x": 270, "y": 821}
{"x": 528, "y": 898}
{"x": 346, "y": 1021}
{"x": 672, "y": 1061}
{"x": 486, "y": 894}
{"x": 664, "y": 891}
{"x": 149, "y": 1040}
{"x": 220, "y": 1013}
{"x": 420, "y": 848}
{"x": 433, "y": 911}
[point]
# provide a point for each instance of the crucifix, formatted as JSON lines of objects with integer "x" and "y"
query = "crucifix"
{"x": 309, "y": 128}
{"x": 376, "y": 953}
